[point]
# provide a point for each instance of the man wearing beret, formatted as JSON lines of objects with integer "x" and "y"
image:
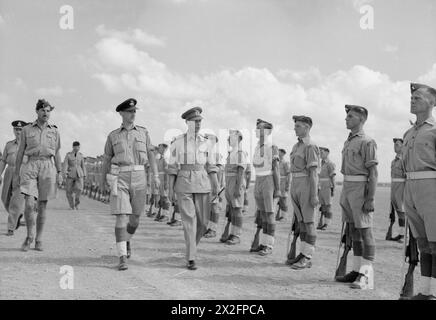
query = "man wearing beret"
{"x": 12, "y": 199}
{"x": 419, "y": 162}
{"x": 162, "y": 197}
{"x": 267, "y": 185}
{"x": 359, "y": 167}
{"x": 285, "y": 180}
{"x": 326, "y": 188}
{"x": 40, "y": 142}
{"x": 304, "y": 192}
{"x": 75, "y": 171}
{"x": 127, "y": 152}
{"x": 398, "y": 182}
{"x": 193, "y": 177}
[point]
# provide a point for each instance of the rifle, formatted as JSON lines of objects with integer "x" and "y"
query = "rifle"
{"x": 346, "y": 239}
{"x": 219, "y": 193}
{"x": 392, "y": 218}
{"x": 226, "y": 231}
{"x": 292, "y": 252}
{"x": 255, "y": 243}
{"x": 411, "y": 252}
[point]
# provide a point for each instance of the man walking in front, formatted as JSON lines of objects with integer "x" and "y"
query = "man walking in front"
{"x": 75, "y": 172}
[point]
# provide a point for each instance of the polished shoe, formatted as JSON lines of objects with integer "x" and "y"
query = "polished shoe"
{"x": 210, "y": 233}
{"x": 365, "y": 280}
{"x": 232, "y": 240}
{"x": 303, "y": 263}
{"x": 10, "y": 233}
{"x": 129, "y": 250}
{"x": 19, "y": 223}
{"x": 265, "y": 251}
{"x": 421, "y": 296}
{"x": 290, "y": 262}
{"x": 163, "y": 219}
{"x": 349, "y": 277}
{"x": 38, "y": 246}
{"x": 191, "y": 265}
{"x": 323, "y": 227}
{"x": 123, "y": 263}
{"x": 26, "y": 244}
{"x": 258, "y": 249}
{"x": 399, "y": 238}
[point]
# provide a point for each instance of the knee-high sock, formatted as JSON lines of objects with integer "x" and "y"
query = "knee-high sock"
{"x": 121, "y": 241}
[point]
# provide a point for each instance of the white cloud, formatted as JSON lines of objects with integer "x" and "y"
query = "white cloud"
{"x": 136, "y": 36}
{"x": 55, "y": 91}
{"x": 20, "y": 84}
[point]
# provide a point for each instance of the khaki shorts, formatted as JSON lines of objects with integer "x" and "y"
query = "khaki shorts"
{"x": 324, "y": 195}
{"x": 300, "y": 197}
{"x": 264, "y": 193}
{"x": 38, "y": 179}
{"x": 283, "y": 203}
{"x": 230, "y": 191}
{"x": 397, "y": 195}
{"x": 420, "y": 205}
{"x": 131, "y": 192}
{"x": 352, "y": 200}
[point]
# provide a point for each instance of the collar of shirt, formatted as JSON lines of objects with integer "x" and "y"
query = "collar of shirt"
{"x": 123, "y": 127}
{"x": 305, "y": 140}
{"x": 357, "y": 134}
{"x": 430, "y": 121}
{"x": 198, "y": 137}
{"x": 36, "y": 124}
{"x": 398, "y": 157}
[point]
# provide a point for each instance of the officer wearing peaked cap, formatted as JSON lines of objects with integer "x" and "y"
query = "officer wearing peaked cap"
{"x": 419, "y": 162}
{"x": 193, "y": 177}
{"x": 12, "y": 199}
{"x": 127, "y": 153}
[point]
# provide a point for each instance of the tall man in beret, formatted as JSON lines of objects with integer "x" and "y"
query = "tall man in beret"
{"x": 127, "y": 152}
{"x": 359, "y": 167}
{"x": 285, "y": 180}
{"x": 304, "y": 192}
{"x": 74, "y": 170}
{"x": 267, "y": 185}
{"x": 326, "y": 188}
{"x": 398, "y": 182}
{"x": 40, "y": 142}
{"x": 12, "y": 199}
{"x": 419, "y": 162}
{"x": 193, "y": 177}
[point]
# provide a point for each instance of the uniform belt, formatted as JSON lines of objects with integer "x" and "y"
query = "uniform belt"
{"x": 39, "y": 157}
{"x": 324, "y": 179}
{"x": 356, "y": 178}
{"x": 192, "y": 167}
{"x": 421, "y": 175}
{"x": 263, "y": 173}
{"x": 398, "y": 179}
{"x": 132, "y": 168}
{"x": 299, "y": 174}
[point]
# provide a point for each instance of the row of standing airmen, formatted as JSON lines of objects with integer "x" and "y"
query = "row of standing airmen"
{"x": 192, "y": 180}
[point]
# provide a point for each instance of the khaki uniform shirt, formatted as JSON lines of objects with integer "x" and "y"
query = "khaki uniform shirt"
{"x": 304, "y": 155}
{"x": 74, "y": 165}
{"x": 358, "y": 155}
{"x": 264, "y": 156}
{"x": 397, "y": 170}
{"x": 327, "y": 172}
{"x": 10, "y": 153}
{"x": 40, "y": 142}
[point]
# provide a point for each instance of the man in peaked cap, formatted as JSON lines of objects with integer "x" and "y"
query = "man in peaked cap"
{"x": 40, "y": 142}
{"x": 398, "y": 182}
{"x": 304, "y": 192}
{"x": 74, "y": 171}
{"x": 326, "y": 188}
{"x": 12, "y": 199}
{"x": 285, "y": 180}
{"x": 267, "y": 185}
{"x": 193, "y": 177}
{"x": 127, "y": 152}
{"x": 419, "y": 163}
{"x": 359, "y": 167}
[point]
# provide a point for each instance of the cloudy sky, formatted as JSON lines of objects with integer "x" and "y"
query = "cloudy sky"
{"x": 238, "y": 59}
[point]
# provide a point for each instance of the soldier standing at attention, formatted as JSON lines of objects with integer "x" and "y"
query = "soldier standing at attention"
{"x": 419, "y": 162}
{"x": 267, "y": 185}
{"x": 127, "y": 151}
{"x": 326, "y": 189}
{"x": 398, "y": 182}
{"x": 193, "y": 177}
{"x": 304, "y": 191}
{"x": 359, "y": 167}
{"x": 75, "y": 172}
{"x": 12, "y": 199}
{"x": 40, "y": 142}
{"x": 247, "y": 185}
{"x": 285, "y": 180}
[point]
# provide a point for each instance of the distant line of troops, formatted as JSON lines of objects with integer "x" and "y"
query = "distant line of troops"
{"x": 133, "y": 173}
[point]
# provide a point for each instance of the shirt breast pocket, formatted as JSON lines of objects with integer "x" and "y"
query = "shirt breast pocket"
{"x": 355, "y": 156}
{"x": 32, "y": 140}
{"x": 118, "y": 146}
{"x": 140, "y": 145}
{"x": 299, "y": 161}
{"x": 425, "y": 150}
{"x": 51, "y": 140}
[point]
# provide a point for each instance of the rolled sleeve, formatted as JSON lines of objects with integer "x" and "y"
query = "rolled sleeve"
{"x": 108, "y": 149}
{"x": 331, "y": 169}
{"x": 312, "y": 156}
{"x": 370, "y": 152}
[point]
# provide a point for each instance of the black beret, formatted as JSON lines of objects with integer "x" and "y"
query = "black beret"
{"x": 76, "y": 143}
{"x": 18, "y": 124}
{"x": 398, "y": 139}
{"x": 358, "y": 109}
{"x": 282, "y": 150}
{"x": 325, "y": 149}
{"x": 41, "y": 103}
{"x": 193, "y": 114}
{"x": 264, "y": 124}
{"x": 416, "y": 86}
{"x": 164, "y": 145}
{"x": 304, "y": 119}
{"x": 129, "y": 103}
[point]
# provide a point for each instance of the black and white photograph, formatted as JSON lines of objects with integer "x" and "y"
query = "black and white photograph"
{"x": 240, "y": 151}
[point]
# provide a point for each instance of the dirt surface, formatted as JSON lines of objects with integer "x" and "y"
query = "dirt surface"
{"x": 85, "y": 240}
